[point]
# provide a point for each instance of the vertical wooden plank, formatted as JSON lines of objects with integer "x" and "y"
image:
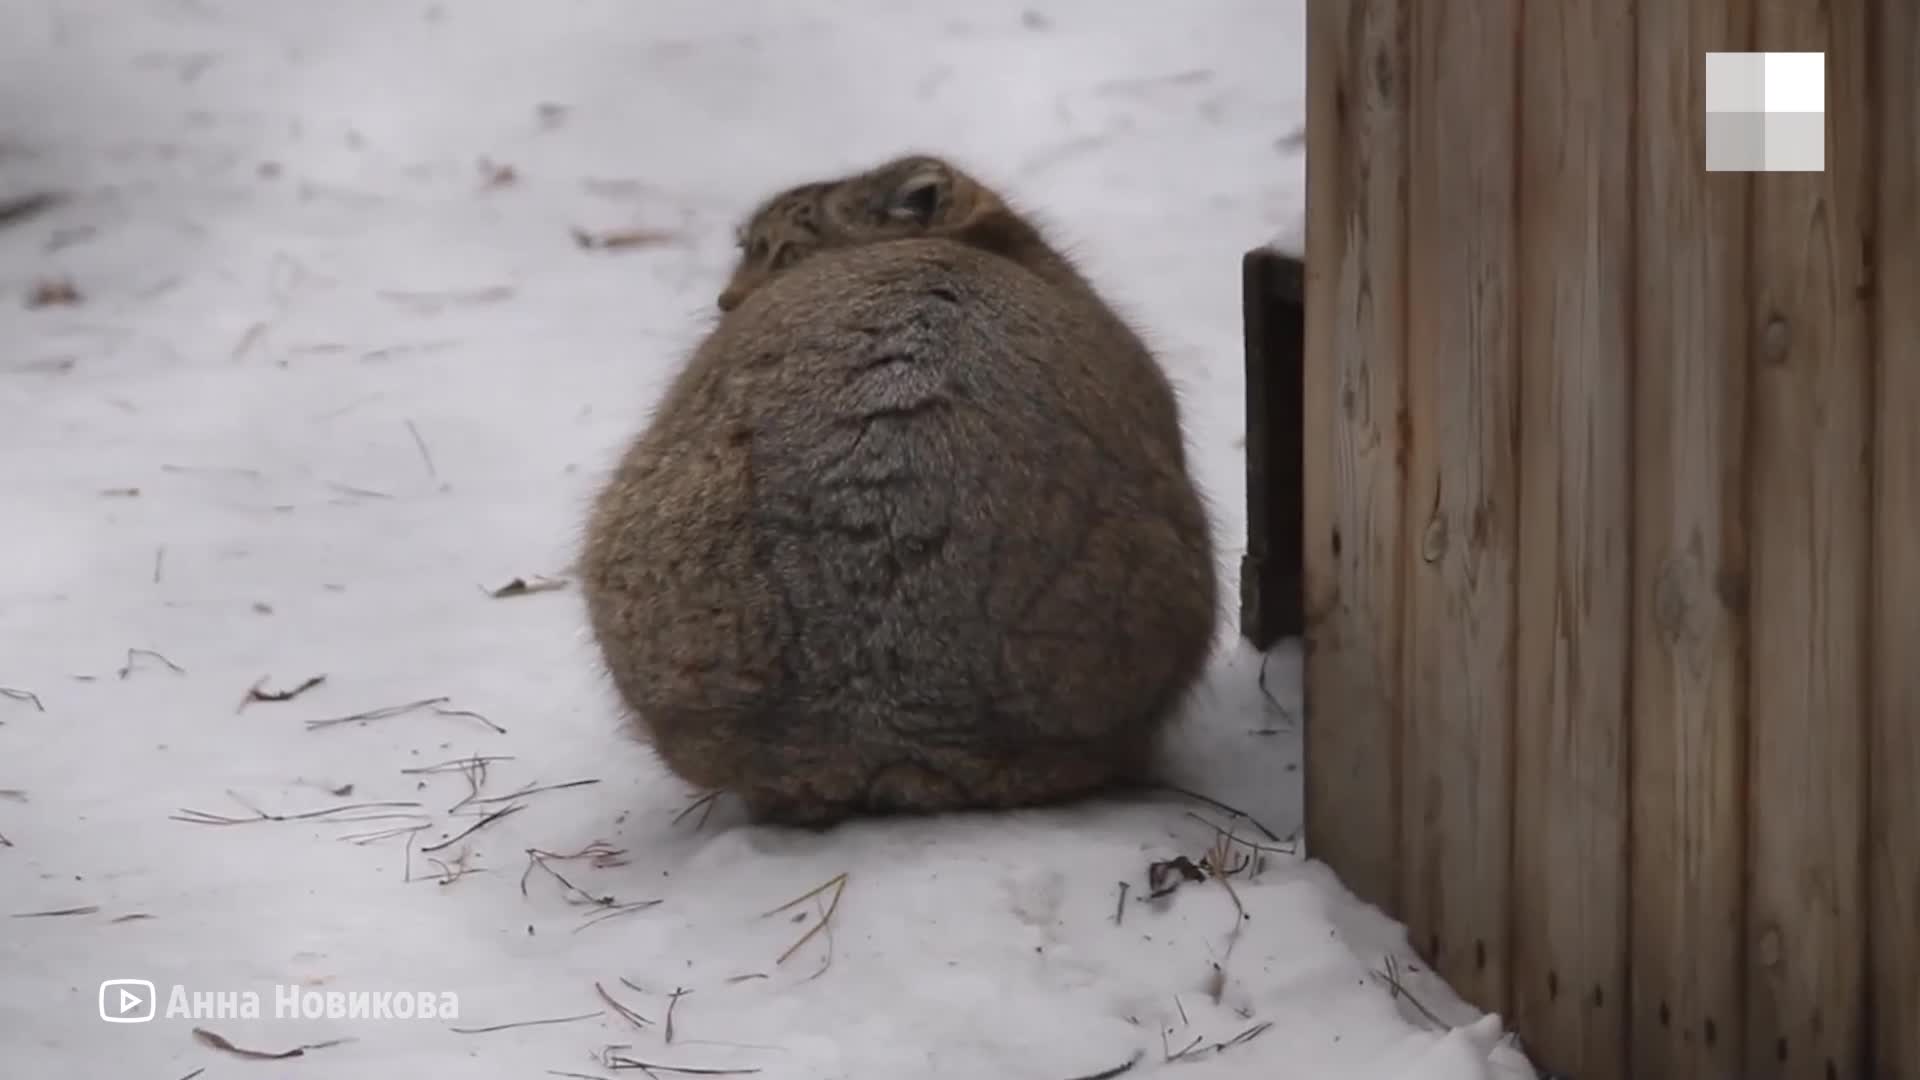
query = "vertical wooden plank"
{"x": 1461, "y": 493}
{"x": 1575, "y": 579}
{"x": 1354, "y": 434}
{"x": 1688, "y": 739}
{"x": 1894, "y": 849}
{"x": 1808, "y": 492}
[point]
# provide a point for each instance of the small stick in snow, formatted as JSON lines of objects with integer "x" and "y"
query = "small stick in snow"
{"x": 1286, "y": 714}
{"x": 247, "y": 341}
{"x": 365, "y": 838}
{"x": 134, "y": 654}
{"x": 4, "y": 842}
{"x": 611, "y": 1060}
{"x": 220, "y": 1042}
{"x": 673, "y": 1000}
{"x": 614, "y": 911}
{"x": 376, "y": 714}
{"x": 705, "y": 801}
{"x": 601, "y": 855}
{"x": 1175, "y": 1055}
{"x": 21, "y": 207}
{"x": 194, "y": 1073}
{"x": 359, "y": 492}
{"x": 527, "y": 1023}
{"x": 1109, "y": 1074}
{"x": 527, "y": 586}
{"x": 574, "y": 1075}
{"x": 838, "y": 883}
{"x": 624, "y": 1012}
{"x": 1224, "y": 808}
{"x": 531, "y": 790}
{"x": 159, "y": 563}
{"x": 1219, "y": 861}
{"x": 215, "y": 470}
{"x": 616, "y": 239}
{"x": 426, "y": 455}
{"x": 27, "y": 696}
{"x": 1120, "y": 909}
{"x": 455, "y": 764}
{"x": 1398, "y": 989}
{"x": 90, "y": 909}
{"x": 1285, "y": 847}
{"x": 137, "y": 916}
{"x": 476, "y": 776}
{"x": 474, "y": 828}
{"x": 1246, "y": 1036}
{"x": 470, "y": 715}
{"x": 1193, "y": 1050}
{"x": 201, "y": 817}
{"x": 459, "y": 868}
{"x": 256, "y": 693}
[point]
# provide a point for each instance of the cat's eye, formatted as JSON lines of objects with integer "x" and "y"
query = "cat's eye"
{"x": 759, "y": 248}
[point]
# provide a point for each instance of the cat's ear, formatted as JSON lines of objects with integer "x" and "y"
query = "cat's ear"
{"x": 920, "y": 197}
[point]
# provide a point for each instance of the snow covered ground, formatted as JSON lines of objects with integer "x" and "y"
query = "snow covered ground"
{"x": 338, "y": 367}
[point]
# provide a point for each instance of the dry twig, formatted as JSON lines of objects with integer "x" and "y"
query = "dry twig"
{"x": 255, "y": 693}
{"x": 27, "y": 696}
{"x": 673, "y": 1000}
{"x": 1225, "y": 809}
{"x": 526, "y": 1023}
{"x": 705, "y": 802}
{"x": 838, "y": 883}
{"x": 376, "y": 714}
{"x": 471, "y": 829}
{"x": 530, "y": 789}
{"x": 626, "y": 1013}
{"x": 90, "y": 909}
{"x": 426, "y": 455}
{"x": 21, "y": 207}
{"x": 617, "y": 239}
{"x": 614, "y": 911}
{"x": 1284, "y": 847}
{"x": 201, "y": 817}
{"x": 611, "y": 1059}
{"x": 220, "y": 1042}
{"x": 1397, "y": 988}
{"x": 527, "y": 586}
{"x": 134, "y": 654}
{"x": 456, "y": 764}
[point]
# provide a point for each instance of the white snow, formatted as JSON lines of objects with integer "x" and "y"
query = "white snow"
{"x": 291, "y": 264}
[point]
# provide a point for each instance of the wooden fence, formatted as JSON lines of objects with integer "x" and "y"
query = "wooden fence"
{"x": 1612, "y": 527}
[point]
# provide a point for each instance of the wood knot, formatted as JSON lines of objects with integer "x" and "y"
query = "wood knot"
{"x": 1775, "y": 340}
{"x": 1433, "y": 540}
{"x": 1670, "y": 603}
